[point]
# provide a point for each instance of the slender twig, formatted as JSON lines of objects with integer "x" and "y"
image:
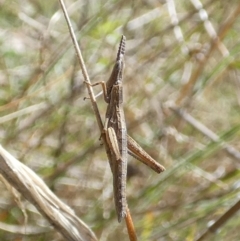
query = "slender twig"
{"x": 86, "y": 78}
{"x": 130, "y": 227}
{"x": 83, "y": 66}
{"x": 223, "y": 219}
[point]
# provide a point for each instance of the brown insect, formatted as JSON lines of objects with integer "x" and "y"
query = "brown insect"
{"x": 119, "y": 143}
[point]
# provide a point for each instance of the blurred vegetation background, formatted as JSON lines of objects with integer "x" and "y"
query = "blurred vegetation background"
{"x": 181, "y": 102}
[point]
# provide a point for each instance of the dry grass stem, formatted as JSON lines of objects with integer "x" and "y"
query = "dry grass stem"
{"x": 220, "y": 222}
{"x": 32, "y": 187}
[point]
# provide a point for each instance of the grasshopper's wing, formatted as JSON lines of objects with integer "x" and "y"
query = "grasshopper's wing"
{"x": 119, "y": 174}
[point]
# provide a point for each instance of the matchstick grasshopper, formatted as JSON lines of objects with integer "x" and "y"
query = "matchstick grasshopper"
{"x": 119, "y": 143}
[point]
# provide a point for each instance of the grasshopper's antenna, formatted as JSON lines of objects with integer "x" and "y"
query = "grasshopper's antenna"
{"x": 121, "y": 49}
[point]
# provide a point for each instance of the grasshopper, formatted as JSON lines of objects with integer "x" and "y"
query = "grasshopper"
{"x": 119, "y": 143}
{"x": 116, "y": 132}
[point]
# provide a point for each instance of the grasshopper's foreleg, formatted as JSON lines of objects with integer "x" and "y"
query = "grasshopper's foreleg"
{"x": 104, "y": 87}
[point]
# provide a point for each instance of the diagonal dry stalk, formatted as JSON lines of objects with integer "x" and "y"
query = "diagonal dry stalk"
{"x": 223, "y": 219}
{"x": 28, "y": 183}
{"x": 130, "y": 227}
{"x": 85, "y": 75}
{"x": 128, "y": 219}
